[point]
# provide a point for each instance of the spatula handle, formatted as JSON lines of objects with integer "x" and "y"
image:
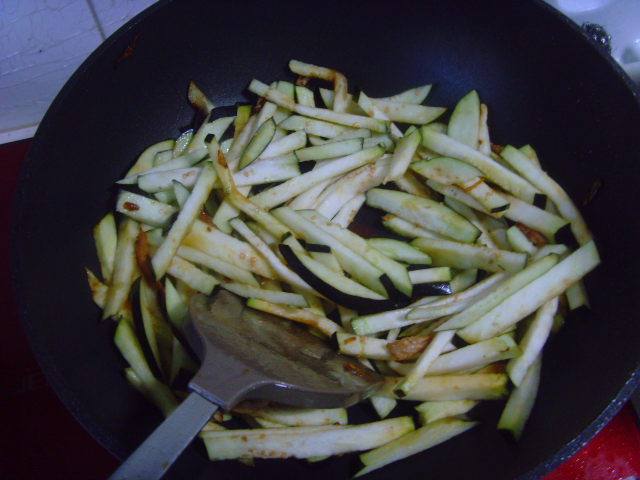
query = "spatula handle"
{"x": 152, "y": 459}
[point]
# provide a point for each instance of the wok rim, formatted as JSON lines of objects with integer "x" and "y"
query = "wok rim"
{"x": 38, "y": 343}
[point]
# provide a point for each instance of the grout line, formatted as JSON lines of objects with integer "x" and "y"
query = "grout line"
{"x": 96, "y": 19}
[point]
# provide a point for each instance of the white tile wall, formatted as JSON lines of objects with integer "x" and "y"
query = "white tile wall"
{"x": 42, "y": 42}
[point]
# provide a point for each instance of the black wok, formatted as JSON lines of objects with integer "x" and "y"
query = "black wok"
{"x": 544, "y": 83}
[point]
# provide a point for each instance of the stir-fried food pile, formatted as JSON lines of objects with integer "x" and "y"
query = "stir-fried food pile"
{"x": 483, "y": 257}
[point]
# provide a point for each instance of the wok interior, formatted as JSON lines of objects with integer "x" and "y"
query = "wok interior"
{"x": 543, "y": 84}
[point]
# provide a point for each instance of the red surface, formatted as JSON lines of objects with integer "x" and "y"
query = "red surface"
{"x": 40, "y": 439}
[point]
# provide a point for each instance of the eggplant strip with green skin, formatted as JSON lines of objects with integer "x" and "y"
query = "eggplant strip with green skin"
{"x": 534, "y": 295}
{"x": 425, "y": 212}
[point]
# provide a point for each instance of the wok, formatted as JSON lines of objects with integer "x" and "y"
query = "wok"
{"x": 544, "y": 83}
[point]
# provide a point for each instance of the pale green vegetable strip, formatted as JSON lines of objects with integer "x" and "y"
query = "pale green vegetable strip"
{"x": 518, "y": 408}
{"x": 162, "y": 258}
{"x": 105, "y": 236}
{"x": 124, "y": 268}
{"x": 304, "y": 442}
{"x": 533, "y": 340}
{"x": 414, "y": 442}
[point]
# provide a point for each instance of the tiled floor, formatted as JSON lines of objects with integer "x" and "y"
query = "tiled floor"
{"x": 41, "y": 43}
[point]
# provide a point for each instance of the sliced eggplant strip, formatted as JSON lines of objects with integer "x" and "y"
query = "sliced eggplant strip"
{"x": 532, "y": 342}
{"x": 192, "y": 276}
{"x": 346, "y": 135}
{"x": 474, "y": 357}
{"x": 258, "y": 143}
{"x": 366, "y": 104}
{"x": 404, "y": 228}
{"x": 98, "y": 289}
{"x": 456, "y": 193}
{"x": 124, "y": 268}
{"x": 382, "y": 405}
{"x": 304, "y": 442}
{"x": 260, "y": 215}
{"x": 403, "y": 155}
{"x": 534, "y": 295}
{"x": 414, "y": 96}
{"x": 410, "y": 184}
{"x": 105, "y": 237}
{"x": 425, "y": 212}
{"x": 518, "y": 408}
{"x": 282, "y": 298}
{"x": 294, "y": 416}
{"x": 433, "y": 411}
{"x": 198, "y": 99}
{"x": 468, "y": 213}
{"x": 340, "y": 289}
{"x": 400, "y": 251}
{"x": 217, "y": 128}
{"x": 268, "y": 170}
{"x": 380, "y": 322}
{"x": 463, "y": 256}
{"x": 448, "y": 171}
{"x": 465, "y": 120}
{"x": 506, "y": 289}
{"x": 175, "y": 305}
{"x": 423, "y": 363}
{"x": 299, "y": 315}
{"x": 304, "y": 96}
{"x": 484, "y": 142}
{"x": 353, "y": 263}
{"x": 156, "y": 329}
{"x": 276, "y": 264}
{"x": 185, "y": 161}
{"x": 413, "y": 442}
{"x": 295, "y": 186}
{"x": 191, "y": 209}
{"x": 477, "y": 386}
{"x": 385, "y": 141}
{"x": 341, "y": 99}
{"x": 308, "y": 198}
{"x": 313, "y": 127}
{"x": 329, "y": 150}
{"x": 240, "y": 142}
{"x": 156, "y": 392}
{"x": 163, "y": 180}
{"x": 354, "y": 183}
{"x": 414, "y": 114}
{"x": 345, "y": 119}
{"x": 144, "y": 209}
{"x": 349, "y": 210}
{"x": 222, "y": 267}
{"x": 492, "y": 201}
{"x": 266, "y": 236}
{"x": 538, "y": 177}
{"x": 396, "y": 272}
{"x": 519, "y": 241}
{"x": 495, "y": 172}
{"x": 430, "y": 275}
{"x": 363, "y": 347}
{"x": 533, "y": 217}
{"x": 215, "y": 243}
{"x": 145, "y": 160}
{"x": 287, "y": 144}
{"x": 577, "y": 296}
{"x": 243, "y": 113}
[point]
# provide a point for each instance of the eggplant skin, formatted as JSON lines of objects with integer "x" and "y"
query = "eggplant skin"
{"x": 359, "y": 304}
{"x": 431, "y": 289}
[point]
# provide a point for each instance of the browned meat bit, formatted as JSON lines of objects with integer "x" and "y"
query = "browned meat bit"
{"x": 132, "y": 207}
{"x": 497, "y": 149}
{"x": 538, "y": 239}
{"x": 408, "y": 348}
{"x": 358, "y": 370}
{"x": 302, "y": 81}
{"x": 259, "y": 104}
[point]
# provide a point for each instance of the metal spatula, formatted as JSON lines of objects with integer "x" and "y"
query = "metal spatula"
{"x": 247, "y": 354}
